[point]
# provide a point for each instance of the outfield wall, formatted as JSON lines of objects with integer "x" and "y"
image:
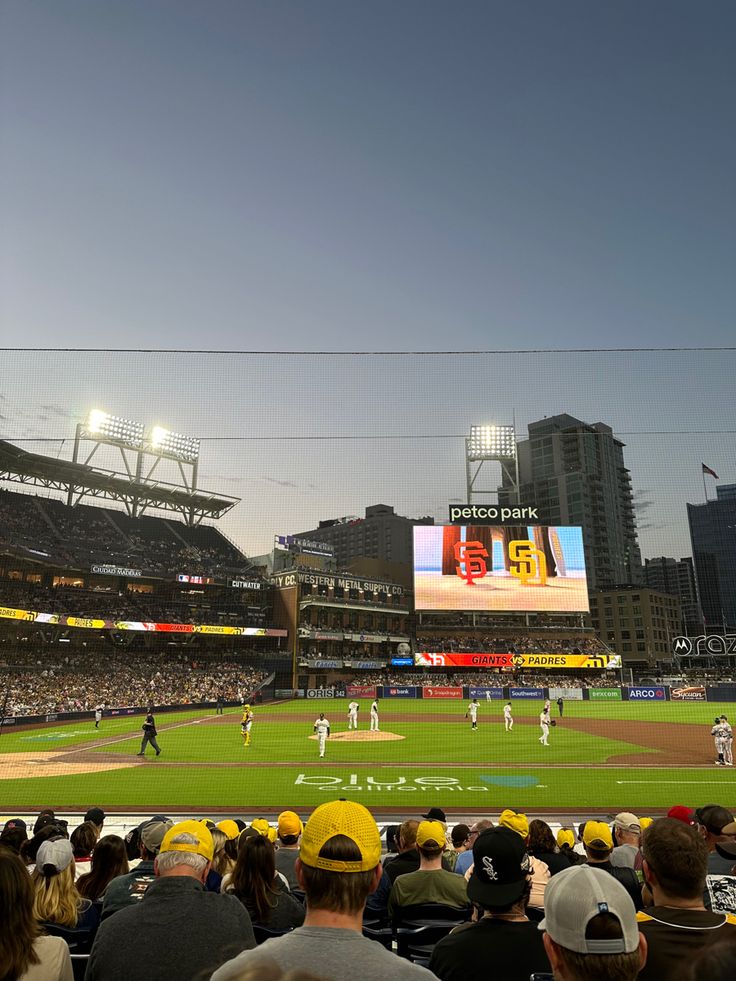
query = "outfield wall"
{"x": 626, "y": 693}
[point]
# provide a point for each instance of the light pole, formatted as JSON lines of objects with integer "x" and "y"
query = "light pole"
{"x": 491, "y": 443}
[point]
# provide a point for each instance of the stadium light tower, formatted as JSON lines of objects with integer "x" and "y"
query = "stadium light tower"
{"x": 486, "y": 443}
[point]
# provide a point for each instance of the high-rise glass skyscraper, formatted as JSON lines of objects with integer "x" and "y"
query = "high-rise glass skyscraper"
{"x": 713, "y": 537}
{"x": 575, "y": 473}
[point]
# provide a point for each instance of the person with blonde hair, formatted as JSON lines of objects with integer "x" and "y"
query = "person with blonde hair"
{"x": 57, "y": 899}
{"x": 25, "y": 954}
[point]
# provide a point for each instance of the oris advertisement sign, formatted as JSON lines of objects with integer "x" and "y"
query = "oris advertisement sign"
{"x": 325, "y": 693}
{"x": 442, "y": 691}
{"x": 640, "y": 693}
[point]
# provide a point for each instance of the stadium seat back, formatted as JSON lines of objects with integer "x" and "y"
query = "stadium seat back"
{"x": 79, "y": 965}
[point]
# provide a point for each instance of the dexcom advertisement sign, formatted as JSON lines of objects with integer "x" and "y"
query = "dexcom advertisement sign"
{"x": 644, "y": 693}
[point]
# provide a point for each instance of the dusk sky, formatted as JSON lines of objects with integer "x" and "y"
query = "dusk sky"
{"x": 342, "y": 176}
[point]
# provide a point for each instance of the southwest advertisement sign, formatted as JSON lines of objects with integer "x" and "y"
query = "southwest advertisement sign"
{"x": 604, "y": 694}
{"x": 526, "y": 692}
{"x": 141, "y": 626}
{"x": 520, "y": 568}
{"x": 688, "y": 693}
{"x": 442, "y": 691}
{"x": 485, "y": 692}
{"x": 646, "y": 693}
{"x": 394, "y": 691}
{"x": 578, "y": 662}
{"x": 360, "y": 691}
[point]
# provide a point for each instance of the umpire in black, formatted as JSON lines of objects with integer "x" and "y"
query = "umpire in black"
{"x": 149, "y": 735}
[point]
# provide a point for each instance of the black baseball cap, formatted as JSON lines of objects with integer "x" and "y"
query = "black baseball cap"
{"x": 501, "y": 868}
{"x": 15, "y": 823}
{"x": 96, "y": 815}
{"x": 713, "y": 817}
{"x": 435, "y": 814}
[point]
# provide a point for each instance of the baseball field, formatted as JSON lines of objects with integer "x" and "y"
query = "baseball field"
{"x": 602, "y": 757}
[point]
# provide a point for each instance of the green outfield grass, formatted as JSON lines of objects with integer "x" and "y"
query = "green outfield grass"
{"x": 439, "y": 760}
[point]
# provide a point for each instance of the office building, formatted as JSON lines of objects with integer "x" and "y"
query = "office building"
{"x": 677, "y": 578}
{"x": 381, "y": 534}
{"x": 713, "y": 538}
{"x": 575, "y": 474}
{"x": 636, "y": 622}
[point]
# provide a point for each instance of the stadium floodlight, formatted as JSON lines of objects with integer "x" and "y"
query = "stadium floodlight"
{"x": 175, "y": 446}
{"x": 105, "y": 428}
{"x": 491, "y": 442}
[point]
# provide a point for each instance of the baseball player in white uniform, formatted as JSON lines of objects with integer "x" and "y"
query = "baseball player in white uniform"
{"x": 99, "y": 709}
{"x": 353, "y": 715}
{"x": 507, "y": 719}
{"x": 719, "y": 738}
{"x": 727, "y": 741}
{"x": 322, "y": 728}
{"x": 544, "y": 721}
{"x": 374, "y": 715}
{"x": 472, "y": 714}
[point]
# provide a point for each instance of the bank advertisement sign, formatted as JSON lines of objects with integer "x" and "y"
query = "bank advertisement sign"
{"x": 400, "y": 691}
{"x": 604, "y": 694}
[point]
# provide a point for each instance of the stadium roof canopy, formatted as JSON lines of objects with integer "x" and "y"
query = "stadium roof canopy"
{"x": 79, "y": 480}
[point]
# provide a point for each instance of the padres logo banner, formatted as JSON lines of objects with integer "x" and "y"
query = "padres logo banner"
{"x": 581, "y": 662}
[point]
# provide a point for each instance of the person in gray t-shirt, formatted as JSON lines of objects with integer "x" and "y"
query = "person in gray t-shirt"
{"x": 339, "y": 866}
{"x": 287, "y": 852}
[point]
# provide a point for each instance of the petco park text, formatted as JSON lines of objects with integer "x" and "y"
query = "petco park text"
{"x": 369, "y": 783}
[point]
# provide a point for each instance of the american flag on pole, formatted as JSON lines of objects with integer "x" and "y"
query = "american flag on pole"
{"x": 708, "y": 470}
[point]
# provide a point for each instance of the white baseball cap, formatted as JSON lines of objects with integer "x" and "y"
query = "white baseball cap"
{"x": 54, "y": 855}
{"x": 577, "y": 895}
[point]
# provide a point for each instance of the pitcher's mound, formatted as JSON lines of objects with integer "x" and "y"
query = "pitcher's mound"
{"x": 362, "y": 736}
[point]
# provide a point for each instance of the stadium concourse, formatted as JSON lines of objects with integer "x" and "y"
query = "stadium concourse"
{"x": 505, "y": 895}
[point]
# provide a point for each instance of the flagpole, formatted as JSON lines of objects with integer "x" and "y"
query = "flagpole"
{"x": 705, "y": 488}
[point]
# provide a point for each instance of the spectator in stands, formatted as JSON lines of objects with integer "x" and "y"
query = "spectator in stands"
{"x": 590, "y": 929}
{"x": 126, "y": 890}
{"x": 177, "y": 930}
{"x": 720, "y": 889}
{"x": 465, "y": 861}
{"x": 24, "y": 952}
{"x": 339, "y": 865}
{"x": 97, "y": 817}
{"x": 14, "y": 835}
{"x": 255, "y": 883}
{"x": 626, "y": 832}
{"x": 716, "y": 962}
{"x": 682, "y": 813}
{"x": 83, "y": 841}
{"x": 109, "y": 860}
{"x": 566, "y": 845}
{"x": 519, "y": 823}
{"x": 430, "y": 883}
{"x": 460, "y": 838}
{"x": 289, "y": 830}
{"x": 542, "y": 845}
{"x": 712, "y": 820}
{"x": 57, "y": 899}
{"x": 677, "y": 924}
{"x": 408, "y": 858}
{"x": 222, "y": 864}
{"x": 503, "y": 943}
{"x": 598, "y": 842}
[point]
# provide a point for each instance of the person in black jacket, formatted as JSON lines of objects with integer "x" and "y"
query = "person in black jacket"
{"x": 598, "y": 842}
{"x": 149, "y": 735}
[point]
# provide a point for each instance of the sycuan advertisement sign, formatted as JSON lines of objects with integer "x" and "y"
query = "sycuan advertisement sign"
{"x": 604, "y": 694}
{"x": 688, "y": 693}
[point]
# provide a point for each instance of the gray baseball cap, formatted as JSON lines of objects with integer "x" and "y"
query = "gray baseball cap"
{"x": 54, "y": 855}
{"x": 153, "y": 831}
{"x": 574, "y": 897}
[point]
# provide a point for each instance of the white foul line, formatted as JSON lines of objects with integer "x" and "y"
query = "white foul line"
{"x": 649, "y": 783}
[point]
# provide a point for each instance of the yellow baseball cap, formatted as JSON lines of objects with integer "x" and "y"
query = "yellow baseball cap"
{"x": 341, "y": 817}
{"x": 431, "y": 831}
{"x": 517, "y": 822}
{"x": 289, "y": 823}
{"x": 565, "y": 837}
{"x": 597, "y": 834}
{"x": 228, "y": 827}
{"x": 645, "y": 822}
{"x": 198, "y": 830}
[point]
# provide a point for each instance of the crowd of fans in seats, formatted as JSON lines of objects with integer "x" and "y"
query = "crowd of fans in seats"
{"x": 79, "y": 682}
{"x": 219, "y": 606}
{"x": 482, "y": 679}
{"x": 574, "y": 644}
{"x": 500, "y": 897}
{"x": 80, "y": 536}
